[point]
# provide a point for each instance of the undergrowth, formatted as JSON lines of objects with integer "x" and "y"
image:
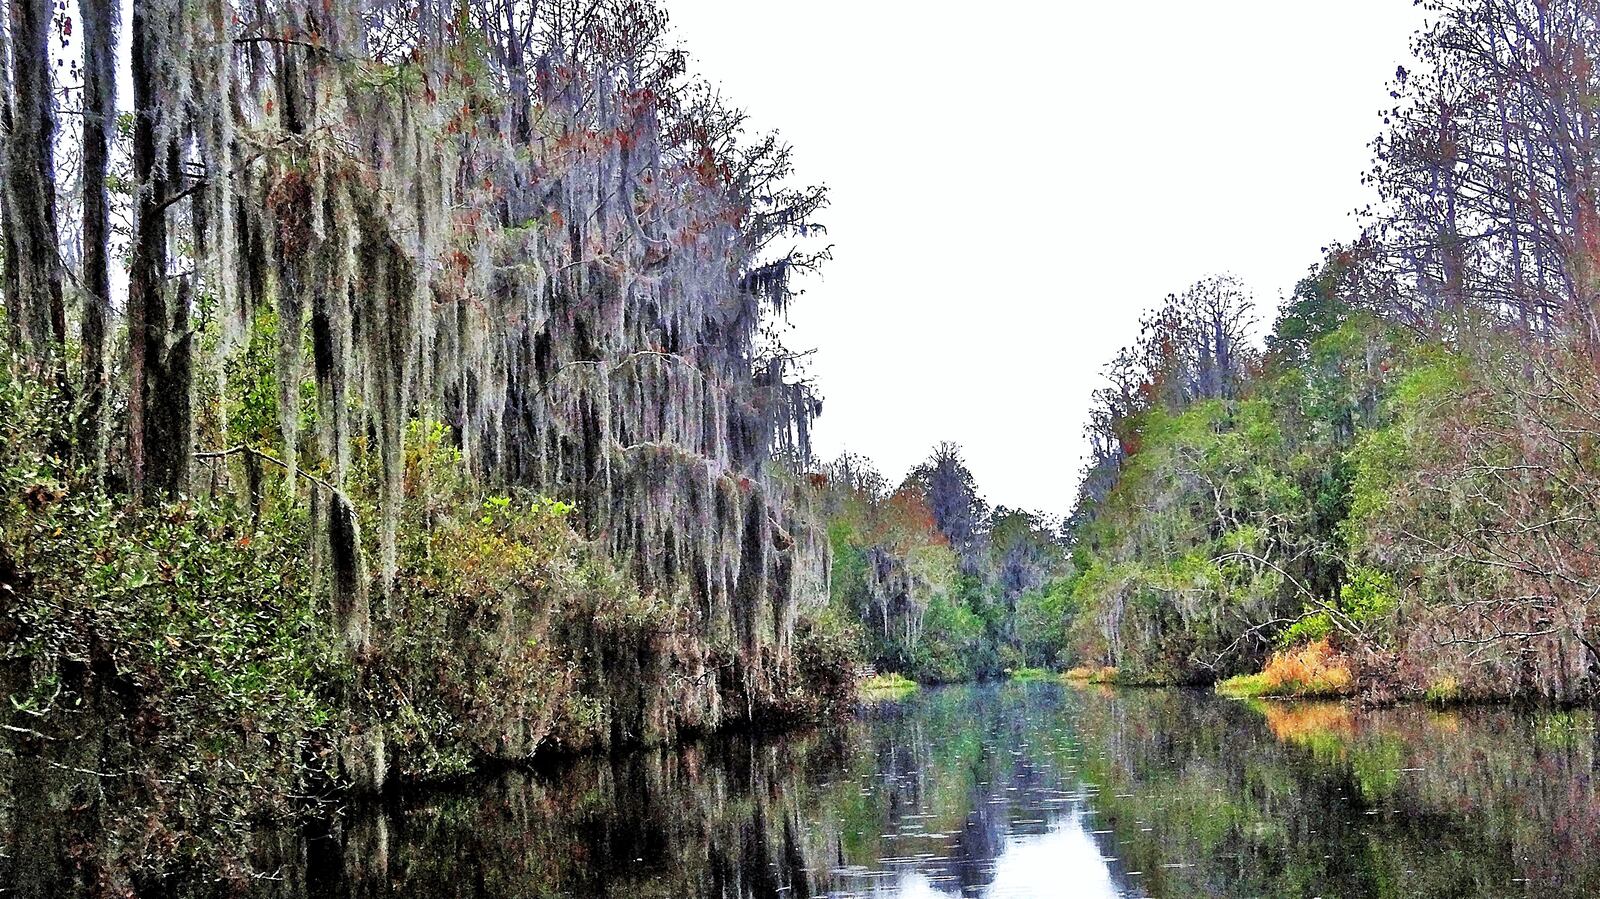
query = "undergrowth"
{"x": 1313, "y": 670}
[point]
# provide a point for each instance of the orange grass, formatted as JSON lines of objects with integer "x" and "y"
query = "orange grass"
{"x": 1316, "y": 669}
{"x": 1105, "y": 674}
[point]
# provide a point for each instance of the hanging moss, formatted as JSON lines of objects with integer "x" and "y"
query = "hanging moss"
{"x": 543, "y": 241}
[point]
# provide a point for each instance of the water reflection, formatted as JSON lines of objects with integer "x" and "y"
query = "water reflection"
{"x": 962, "y": 793}
{"x": 1012, "y": 791}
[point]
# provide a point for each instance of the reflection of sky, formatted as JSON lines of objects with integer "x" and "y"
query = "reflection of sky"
{"x": 1028, "y": 831}
{"x": 1062, "y": 862}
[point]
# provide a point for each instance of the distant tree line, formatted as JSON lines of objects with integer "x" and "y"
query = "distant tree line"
{"x": 945, "y": 587}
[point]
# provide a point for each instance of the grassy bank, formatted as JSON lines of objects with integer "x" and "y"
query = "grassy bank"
{"x": 1315, "y": 670}
{"x": 1104, "y": 674}
{"x": 887, "y": 686}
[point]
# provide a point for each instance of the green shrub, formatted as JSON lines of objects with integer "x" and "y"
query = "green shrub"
{"x": 887, "y": 686}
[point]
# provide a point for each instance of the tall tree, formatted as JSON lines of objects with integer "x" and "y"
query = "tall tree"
{"x": 1486, "y": 172}
{"x": 35, "y": 265}
{"x": 99, "y": 123}
{"x": 959, "y": 511}
{"x": 157, "y": 313}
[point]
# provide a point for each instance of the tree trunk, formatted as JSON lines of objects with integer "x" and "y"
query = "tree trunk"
{"x": 9, "y": 285}
{"x": 158, "y": 342}
{"x": 35, "y": 267}
{"x": 99, "y": 101}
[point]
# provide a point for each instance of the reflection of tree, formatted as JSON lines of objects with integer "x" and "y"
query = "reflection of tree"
{"x": 1308, "y": 799}
{"x": 1285, "y": 800}
{"x": 726, "y": 820}
{"x": 954, "y": 779}
{"x": 931, "y": 790}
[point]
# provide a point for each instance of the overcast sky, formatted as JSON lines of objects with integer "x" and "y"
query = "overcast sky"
{"x": 1015, "y": 181}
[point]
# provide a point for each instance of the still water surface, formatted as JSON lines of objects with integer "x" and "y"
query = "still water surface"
{"x": 1021, "y": 790}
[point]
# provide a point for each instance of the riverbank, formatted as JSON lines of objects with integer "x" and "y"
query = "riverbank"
{"x": 398, "y": 448}
{"x": 1311, "y": 671}
{"x": 188, "y": 671}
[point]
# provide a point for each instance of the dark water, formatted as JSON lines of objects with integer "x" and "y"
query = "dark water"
{"x": 1034, "y": 790}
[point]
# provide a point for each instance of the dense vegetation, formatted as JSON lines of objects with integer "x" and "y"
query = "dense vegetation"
{"x": 398, "y": 388}
{"x": 944, "y": 587}
{"x": 390, "y": 389}
{"x": 1407, "y": 470}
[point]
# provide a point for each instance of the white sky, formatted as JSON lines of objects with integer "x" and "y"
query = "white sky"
{"x": 1014, "y": 182}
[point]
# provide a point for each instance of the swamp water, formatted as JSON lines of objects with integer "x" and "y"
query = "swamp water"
{"x": 1017, "y": 790}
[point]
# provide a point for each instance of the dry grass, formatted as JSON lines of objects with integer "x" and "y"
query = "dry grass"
{"x": 1104, "y": 674}
{"x": 1316, "y": 669}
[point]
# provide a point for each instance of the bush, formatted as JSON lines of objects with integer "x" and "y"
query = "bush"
{"x": 1104, "y": 674}
{"x": 182, "y": 672}
{"x": 169, "y": 663}
{"x": 888, "y": 686}
{"x": 1445, "y": 691}
{"x": 828, "y": 652}
{"x": 1315, "y": 669}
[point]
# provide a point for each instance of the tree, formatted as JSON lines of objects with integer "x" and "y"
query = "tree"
{"x": 1484, "y": 172}
{"x": 99, "y": 19}
{"x": 952, "y": 495}
{"x": 35, "y": 304}
{"x": 160, "y": 336}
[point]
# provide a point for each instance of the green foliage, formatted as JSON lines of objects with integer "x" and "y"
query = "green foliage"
{"x": 828, "y": 649}
{"x": 927, "y": 608}
{"x": 251, "y": 403}
{"x": 193, "y": 649}
{"x": 1368, "y": 597}
{"x": 1384, "y": 457}
{"x": 956, "y": 646}
{"x": 1314, "y": 627}
{"x": 1237, "y": 511}
{"x": 887, "y": 686}
{"x": 182, "y": 647}
{"x": 1418, "y": 500}
{"x": 1175, "y": 543}
{"x": 1312, "y": 314}
{"x": 848, "y": 576}
{"x": 1043, "y": 616}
